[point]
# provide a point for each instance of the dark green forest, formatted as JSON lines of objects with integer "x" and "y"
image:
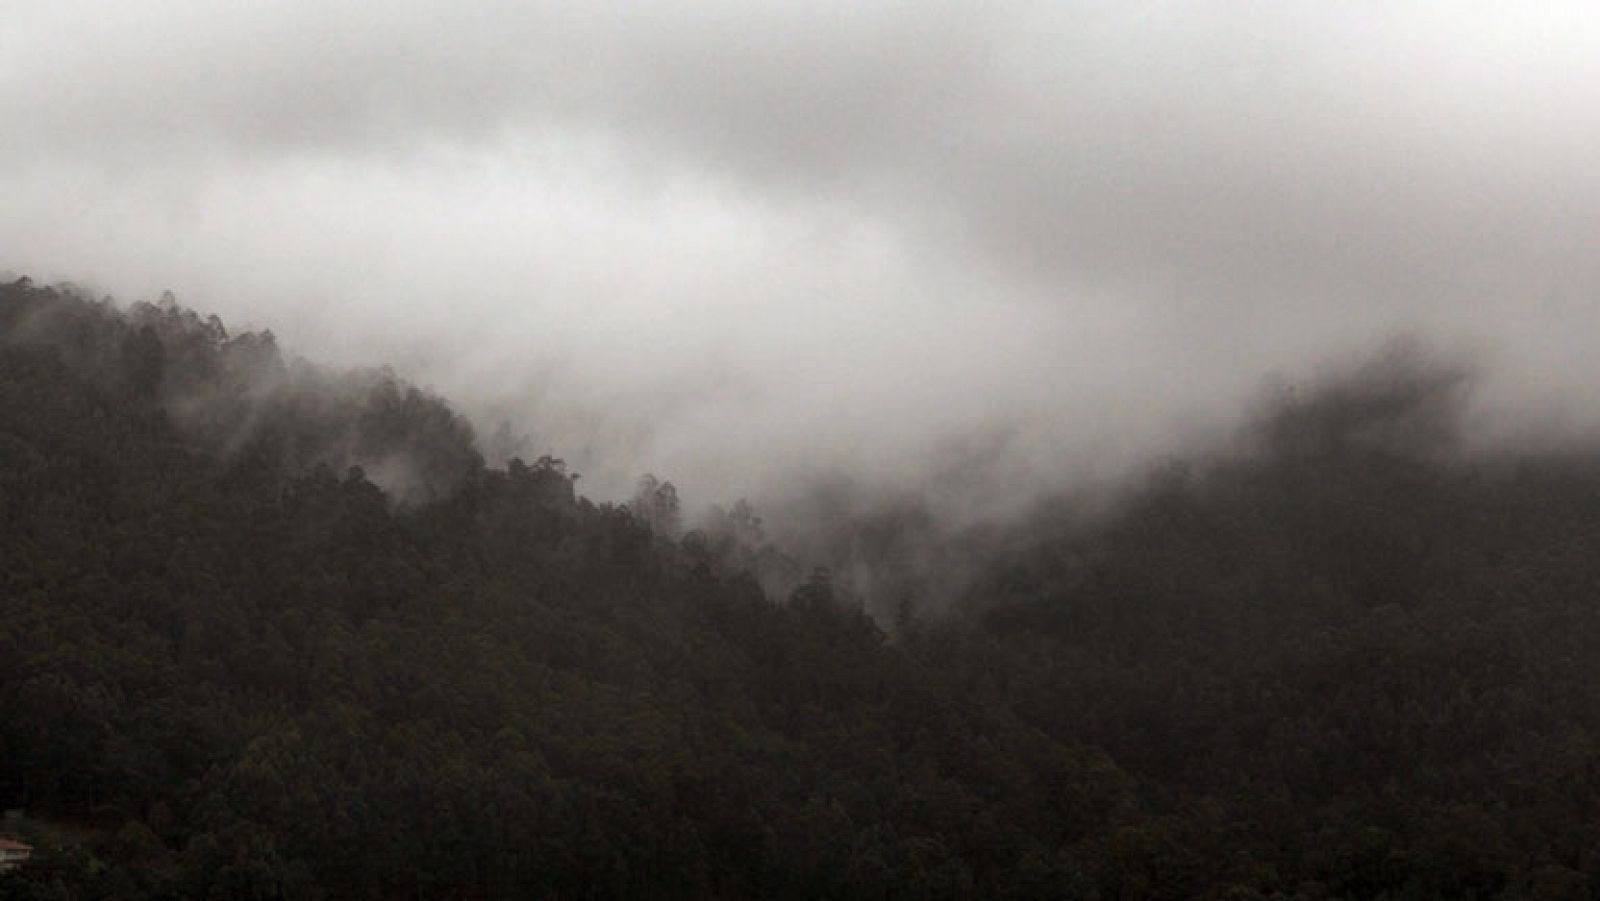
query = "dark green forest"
{"x": 274, "y": 632}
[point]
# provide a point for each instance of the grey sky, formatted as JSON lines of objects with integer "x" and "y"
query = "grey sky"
{"x": 733, "y": 241}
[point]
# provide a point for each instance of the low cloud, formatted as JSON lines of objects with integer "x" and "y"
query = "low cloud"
{"x": 741, "y": 244}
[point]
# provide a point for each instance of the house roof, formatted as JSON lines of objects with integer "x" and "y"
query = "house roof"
{"x": 7, "y": 844}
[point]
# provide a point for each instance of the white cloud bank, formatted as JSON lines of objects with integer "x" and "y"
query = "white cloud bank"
{"x": 736, "y": 242}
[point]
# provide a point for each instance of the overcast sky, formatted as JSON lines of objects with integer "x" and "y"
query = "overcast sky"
{"x": 735, "y": 241}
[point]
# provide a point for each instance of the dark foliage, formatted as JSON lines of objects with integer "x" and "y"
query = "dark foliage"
{"x": 267, "y": 632}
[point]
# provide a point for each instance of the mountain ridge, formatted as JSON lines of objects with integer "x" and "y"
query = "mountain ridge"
{"x": 1347, "y": 659}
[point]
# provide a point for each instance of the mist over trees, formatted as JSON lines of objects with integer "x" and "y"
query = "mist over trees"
{"x": 270, "y": 631}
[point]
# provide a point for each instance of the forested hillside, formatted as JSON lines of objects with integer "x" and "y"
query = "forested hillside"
{"x": 268, "y": 631}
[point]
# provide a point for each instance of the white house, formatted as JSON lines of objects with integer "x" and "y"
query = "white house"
{"x": 13, "y": 854}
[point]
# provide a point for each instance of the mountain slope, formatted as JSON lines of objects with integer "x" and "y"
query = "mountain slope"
{"x": 268, "y": 631}
{"x": 257, "y": 677}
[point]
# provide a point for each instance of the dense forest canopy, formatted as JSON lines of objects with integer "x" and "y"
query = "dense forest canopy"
{"x": 269, "y": 631}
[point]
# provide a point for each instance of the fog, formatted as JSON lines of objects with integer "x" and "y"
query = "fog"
{"x": 741, "y": 245}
